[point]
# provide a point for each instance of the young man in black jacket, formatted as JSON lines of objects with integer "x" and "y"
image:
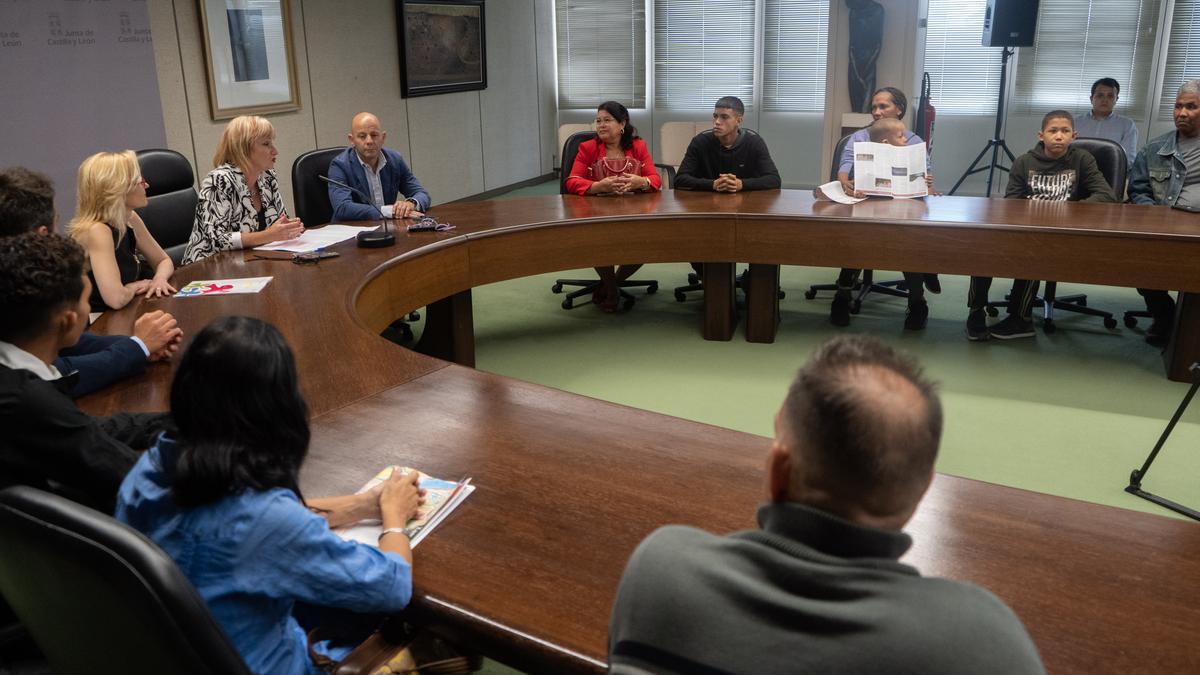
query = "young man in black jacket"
{"x": 47, "y": 441}
{"x": 1052, "y": 171}
{"x": 727, "y": 158}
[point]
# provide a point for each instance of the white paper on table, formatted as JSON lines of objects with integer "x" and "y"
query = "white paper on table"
{"x": 833, "y": 191}
{"x": 313, "y": 240}
{"x": 890, "y": 171}
{"x": 223, "y": 287}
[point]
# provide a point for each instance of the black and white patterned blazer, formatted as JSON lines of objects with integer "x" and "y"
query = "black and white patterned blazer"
{"x": 224, "y": 208}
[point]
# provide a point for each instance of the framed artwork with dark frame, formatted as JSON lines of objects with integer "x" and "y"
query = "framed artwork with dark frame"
{"x": 249, "y": 58}
{"x": 442, "y": 46}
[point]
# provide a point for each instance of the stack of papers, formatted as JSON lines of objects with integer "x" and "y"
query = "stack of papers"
{"x": 314, "y": 240}
{"x": 441, "y": 497}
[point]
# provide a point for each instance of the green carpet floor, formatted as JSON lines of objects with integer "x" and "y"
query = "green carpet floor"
{"x": 1069, "y": 414}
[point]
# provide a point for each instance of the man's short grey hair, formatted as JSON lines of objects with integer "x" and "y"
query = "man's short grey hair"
{"x": 1190, "y": 87}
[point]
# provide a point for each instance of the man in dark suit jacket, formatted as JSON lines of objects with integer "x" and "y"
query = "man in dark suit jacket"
{"x": 378, "y": 173}
{"x": 96, "y": 361}
{"x": 48, "y": 442}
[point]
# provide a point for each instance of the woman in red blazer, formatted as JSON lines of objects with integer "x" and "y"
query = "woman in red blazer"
{"x": 616, "y": 162}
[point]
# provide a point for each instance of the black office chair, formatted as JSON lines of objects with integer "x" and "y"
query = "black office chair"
{"x": 587, "y": 286}
{"x": 170, "y": 210}
{"x": 695, "y": 283}
{"x": 311, "y": 197}
{"x": 98, "y": 597}
{"x": 866, "y": 284}
{"x": 309, "y": 193}
{"x": 1110, "y": 158}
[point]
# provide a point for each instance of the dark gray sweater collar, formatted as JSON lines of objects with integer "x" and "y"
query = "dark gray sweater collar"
{"x": 828, "y": 534}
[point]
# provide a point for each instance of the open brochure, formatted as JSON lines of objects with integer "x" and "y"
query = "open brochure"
{"x": 441, "y": 497}
{"x": 882, "y": 170}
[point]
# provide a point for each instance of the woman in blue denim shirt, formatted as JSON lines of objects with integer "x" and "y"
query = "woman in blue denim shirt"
{"x": 1167, "y": 172}
{"x": 222, "y": 499}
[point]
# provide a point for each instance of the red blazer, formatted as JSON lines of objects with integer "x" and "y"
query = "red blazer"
{"x": 591, "y": 151}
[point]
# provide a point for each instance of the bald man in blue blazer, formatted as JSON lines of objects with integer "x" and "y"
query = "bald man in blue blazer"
{"x": 378, "y": 173}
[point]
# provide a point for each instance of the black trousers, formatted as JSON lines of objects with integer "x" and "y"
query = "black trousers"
{"x": 1160, "y": 305}
{"x": 1020, "y": 298}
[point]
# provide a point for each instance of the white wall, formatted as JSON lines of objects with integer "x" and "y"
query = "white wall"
{"x": 347, "y": 61}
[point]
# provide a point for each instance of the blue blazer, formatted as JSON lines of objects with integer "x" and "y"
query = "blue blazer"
{"x": 100, "y": 360}
{"x": 396, "y": 177}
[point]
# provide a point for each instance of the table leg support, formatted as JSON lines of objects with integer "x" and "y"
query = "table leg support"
{"x": 719, "y": 313}
{"x": 1184, "y": 348}
{"x": 762, "y": 302}
{"x": 449, "y": 331}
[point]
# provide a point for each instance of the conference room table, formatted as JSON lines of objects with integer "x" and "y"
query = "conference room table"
{"x": 526, "y": 569}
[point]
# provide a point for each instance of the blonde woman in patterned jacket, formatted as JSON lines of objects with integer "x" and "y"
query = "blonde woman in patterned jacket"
{"x": 240, "y": 205}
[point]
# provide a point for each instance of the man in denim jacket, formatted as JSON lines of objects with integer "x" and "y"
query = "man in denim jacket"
{"x": 1167, "y": 172}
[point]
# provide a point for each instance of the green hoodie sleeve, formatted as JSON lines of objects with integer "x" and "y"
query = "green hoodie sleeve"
{"x": 1092, "y": 182}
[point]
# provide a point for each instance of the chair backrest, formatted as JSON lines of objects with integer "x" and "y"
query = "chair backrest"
{"x": 309, "y": 193}
{"x": 170, "y": 210}
{"x": 837, "y": 156}
{"x": 667, "y": 173}
{"x": 565, "y": 131}
{"x": 674, "y": 138}
{"x": 570, "y": 149}
{"x": 1110, "y": 157}
{"x": 98, "y": 597}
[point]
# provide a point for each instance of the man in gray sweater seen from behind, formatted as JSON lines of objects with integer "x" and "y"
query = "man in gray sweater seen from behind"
{"x": 819, "y": 587}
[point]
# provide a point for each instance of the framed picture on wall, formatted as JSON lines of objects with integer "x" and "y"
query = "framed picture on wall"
{"x": 442, "y": 46}
{"x": 248, "y": 53}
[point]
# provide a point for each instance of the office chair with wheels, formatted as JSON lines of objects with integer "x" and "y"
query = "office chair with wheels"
{"x": 587, "y": 286}
{"x": 1110, "y": 158}
{"x": 170, "y": 208}
{"x": 99, "y": 597}
{"x": 866, "y": 283}
{"x": 310, "y": 194}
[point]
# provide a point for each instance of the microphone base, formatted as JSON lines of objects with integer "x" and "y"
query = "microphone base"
{"x": 374, "y": 239}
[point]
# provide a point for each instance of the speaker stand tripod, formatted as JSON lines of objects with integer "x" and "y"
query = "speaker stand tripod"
{"x": 1135, "y": 478}
{"x": 996, "y": 142}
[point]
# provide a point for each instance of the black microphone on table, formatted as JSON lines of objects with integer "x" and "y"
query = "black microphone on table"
{"x": 370, "y": 238}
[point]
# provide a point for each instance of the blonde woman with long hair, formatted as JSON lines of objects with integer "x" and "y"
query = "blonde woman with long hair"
{"x": 105, "y": 224}
{"x": 240, "y": 205}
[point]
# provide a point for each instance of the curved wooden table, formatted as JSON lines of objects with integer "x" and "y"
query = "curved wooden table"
{"x": 567, "y": 485}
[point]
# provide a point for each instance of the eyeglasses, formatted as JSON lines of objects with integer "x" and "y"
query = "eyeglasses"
{"x": 140, "y": 182}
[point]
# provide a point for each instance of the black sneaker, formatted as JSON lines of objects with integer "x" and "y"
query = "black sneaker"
{"x": 977, "y": 330}
{"x": 918, "y": 315}
{"x": 839, "y": 311}
{"x": 1012, "y": 328}
{"x": 933, "y": 284}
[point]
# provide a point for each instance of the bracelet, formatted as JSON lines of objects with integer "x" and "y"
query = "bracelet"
{"x": 394, "y": 530}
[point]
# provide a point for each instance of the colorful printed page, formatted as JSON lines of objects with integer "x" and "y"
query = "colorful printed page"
{"x": 441, "y": 497}
{"x": 223, "y": 287}
{"x": 882, "y": 170}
